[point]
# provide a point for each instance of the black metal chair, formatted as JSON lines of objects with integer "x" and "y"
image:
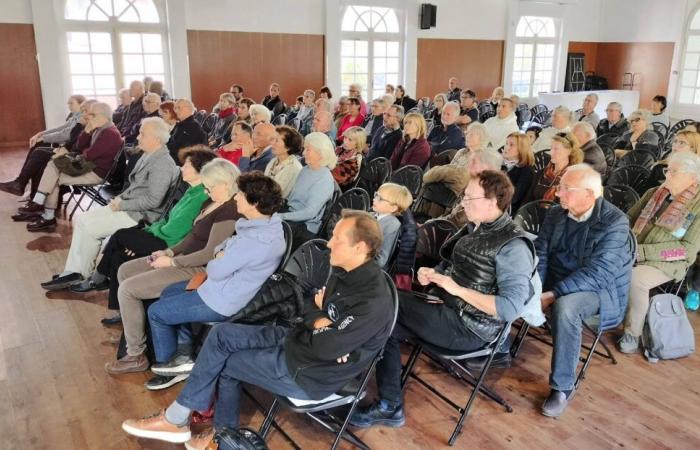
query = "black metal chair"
{"x": 200, "y": 116}
{"x": 530, "y": 216}
{"x": 633, "y": 176}
{"x": 431, "y": 236}
{"x": 543, "y": 118}
{"x": 624, "y": 197}
{"x": 610, "y": 157}
{"x": 351, "y": 394}
{"x": 354, "y": 198}
{"x": 443, "y": 158}
{"x": 310, "y": 265}
{"x": 661, "y": 129}
{"x": 409, "y": 176}
{"x": 209, "y": 123}
{"x": 453, "y": 360}
{"x": 373, "y": 174}
{"x": 438, "y": 193}
{"x": 279, "y": 119}
{"x": 607, "y": 139}
{"x": 174, "y": 194}
{"x": 541, "y": 160}
{"x": 678, "y": 126}
{"x": 638, "y": 157}
{"x": 538, "y": 109}
{"x": 486, "y": 111}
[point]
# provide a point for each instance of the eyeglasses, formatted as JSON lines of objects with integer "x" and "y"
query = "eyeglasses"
{"x": 469, "y": 199}
{"x": 382, "y": 199}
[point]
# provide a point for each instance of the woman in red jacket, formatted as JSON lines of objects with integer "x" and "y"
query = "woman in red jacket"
{"x": 353, "y": 119}
{"x": 413, "y": 148}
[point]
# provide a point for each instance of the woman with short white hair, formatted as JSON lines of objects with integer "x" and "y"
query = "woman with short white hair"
{"x": 561, "y": 123}
{"x": 642, "y": 134}
{"x": 259, "y": 113}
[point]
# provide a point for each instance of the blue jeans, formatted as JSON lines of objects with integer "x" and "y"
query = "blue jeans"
{"x": 568, "y": 314}
{"x": 232, "y": 354}
{"x": 170, "y": 319}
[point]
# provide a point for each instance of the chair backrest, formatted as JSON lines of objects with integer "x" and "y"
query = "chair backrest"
{"x": 409, "y": 176}
{"x": 608, "y": 139}
{"x": 638, "y": 157}
{"x": 199, "y": 116}
{"x": 279, "y": 119}
{"x": 541, "y": 160}
{"x": 177, "y": 190}
{"x": 538, "y": 109}
{"x": 355, "y": 198}
{"x": 438, "y": 193}
{"x": 288, "y": 240}
{"x": 633, "y": 176}
{"x": 543, "y": 118}
{"x": 660, "y": 128}
{"x": 373, "y": 174}
{"x": 531, "y": 215}
{"x": 115, "y": 174}
{"x": 624, "y": 197}
{"x": 678, "y": 126}
{"x": 486, "y": 111}
{"x": 443, "y": 158}
{"x": 431, "y": 236}
{"x": 609, "y": 153}
{"x": 310, "y": 265}
{"x": 210, "y": 123}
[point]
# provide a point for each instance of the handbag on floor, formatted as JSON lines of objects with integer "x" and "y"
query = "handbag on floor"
{"x": 667, "y": 332}
{"x": 239, "y": 439}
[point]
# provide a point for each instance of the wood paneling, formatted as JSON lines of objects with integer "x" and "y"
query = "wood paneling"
{"x": 589, "y": 49}
{"x": 478, "y": 64}
{"x": 254, "y": 60}
{"x": 22, "y": 113}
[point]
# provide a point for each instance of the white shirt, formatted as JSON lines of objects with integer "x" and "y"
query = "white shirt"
{"x": 584, "y": 217}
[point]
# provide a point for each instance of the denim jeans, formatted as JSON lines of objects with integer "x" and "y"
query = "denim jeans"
{"x": 568, "y": 314}
{"x": 170, "y": 319}
{"x": 232, "y": 354}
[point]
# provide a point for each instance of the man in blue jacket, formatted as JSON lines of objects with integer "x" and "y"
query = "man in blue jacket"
{"x": 585, "y": 266}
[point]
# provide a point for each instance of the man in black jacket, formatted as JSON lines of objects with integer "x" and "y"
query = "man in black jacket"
{"x": 385, "y": 140}
{"x": 187, "y": 131}
{"x": 134, "y": 113}
{"x": 336, "y": 341}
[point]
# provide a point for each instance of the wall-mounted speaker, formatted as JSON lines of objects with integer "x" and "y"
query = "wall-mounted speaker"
{"x": 428, "y": 14}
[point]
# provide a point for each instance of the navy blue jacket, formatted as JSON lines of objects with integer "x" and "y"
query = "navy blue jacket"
{"x": 383, "y": 144}
{"x": 593, "y": 256}
{"x": 441, "y": 139}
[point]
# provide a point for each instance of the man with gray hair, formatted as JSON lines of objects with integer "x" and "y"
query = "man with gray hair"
{"x": 375, "y": 121}
{"x": 151, "y": 104}
{"x": 187, "y": 131}
{"x": 149, "y": 183}
{"x": 585, "y": 265}
{"x": 323, "y": 123}
{"x": 306, "y": 112}
{"x": 448, "y": 135}
{"x": 592, "y": 152}
{"x": 614, "y": 123}
{"x": 135, "y": 112}
{"x": 385, "y": 140}
{"x": 68, "y": 169}
{"x": 587, "y": 113}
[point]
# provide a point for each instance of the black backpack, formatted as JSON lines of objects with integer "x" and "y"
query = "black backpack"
{"x": 239, "y": 439}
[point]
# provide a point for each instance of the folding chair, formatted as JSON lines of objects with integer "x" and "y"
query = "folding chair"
{"x": 350, "y": 394}
{"x": 409, "y": 176}
{"x": 437, "y": 193}
{"x": 310, "y": 265}
{"x": 431, "y": 236}
{"x": 355, "y": 198}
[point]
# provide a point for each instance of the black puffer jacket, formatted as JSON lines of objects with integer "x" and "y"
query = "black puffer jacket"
{"x": 406, "y": 247}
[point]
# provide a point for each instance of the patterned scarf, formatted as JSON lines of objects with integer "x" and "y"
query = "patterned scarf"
{"x": 553, "y": 178}
{"x": 673, "y": 217}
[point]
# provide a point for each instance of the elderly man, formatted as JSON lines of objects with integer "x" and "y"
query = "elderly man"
{"x": 105, "y": 143}
{"x": 135, "y": 112}
{"x": 355, "y": 91}
{"x": 375, "y": 121}
{"x": 386, "y": 138}
{"x": 322, "y": 104}
{"x": 307, "y": 112}
{"x": 585, "y": 266}
{"x": 561, "y": 123}
{"x": 187, "y": 131}
{"x": 335, "y": 342}
{"x": 615, "y": 123}
{"x": 502, "y": 124}
{"x": 151, "y": 104}
{"x": 468, "y": 112}
{"x": 592, "y": 153}
{"x": 588, "y": 113}
{"x": 483, "y": 283}
{"x": 448, "y": 136}
{"x": 149, "y": 183}
{"x": 323, "y": 123}
{"x": 124, "y": 97}
{"x": 453, "y": 90}
{"x": 258, "y": 151}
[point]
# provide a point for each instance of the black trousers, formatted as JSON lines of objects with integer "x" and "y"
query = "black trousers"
{"x": 135, "y": 240}
{"x": 34, "y": 165}
{"x": 437, "y": 324}
{"x": 300, "y": 234}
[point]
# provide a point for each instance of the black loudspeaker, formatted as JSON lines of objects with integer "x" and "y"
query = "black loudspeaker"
{"x": 428, "y": 14}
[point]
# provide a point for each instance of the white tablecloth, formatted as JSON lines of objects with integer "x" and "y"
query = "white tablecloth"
{"x": 574, "y": 100}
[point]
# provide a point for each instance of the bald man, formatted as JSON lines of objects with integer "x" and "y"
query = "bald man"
{"x": 453, "y": 92}
{"x": 257, "y": 152}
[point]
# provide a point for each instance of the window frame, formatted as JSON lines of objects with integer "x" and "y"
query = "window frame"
{"x": 688, "y": 33}
{"x": 535, "y": 41}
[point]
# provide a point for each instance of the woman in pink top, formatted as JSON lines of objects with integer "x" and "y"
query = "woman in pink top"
{"x": 354, "y": 119}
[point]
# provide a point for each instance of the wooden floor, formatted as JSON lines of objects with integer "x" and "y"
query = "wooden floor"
{"x": 55, "y": 394}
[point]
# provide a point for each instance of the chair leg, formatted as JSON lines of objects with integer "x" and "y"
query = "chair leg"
{"x": 586, "y": 363}
{"x": 269, "y": 418}
{"x": 415, "y": 353}
{"x": 519, "y": 338}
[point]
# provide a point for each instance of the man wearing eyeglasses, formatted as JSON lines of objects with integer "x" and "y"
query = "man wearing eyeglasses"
{"x": 614, "y": 123}
{"x": 385, "y": 139}
{"x": 585, "y": 266}
{"x": 151, "y": 103}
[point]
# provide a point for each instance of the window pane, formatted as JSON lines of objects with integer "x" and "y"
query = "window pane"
{"x": 78, "y": 42}
{"x": 697, "y": 97}
{"x": 392, "y": 65}
{"x": 380, "y": 48}
{"x": 695, "y": 24}
{"x": 347, "y": 79}
{"x": 131, "y": 42}
{"x": 133, "y": 63}
{"x": 147, "y": 11}
{"x": 129, "y": 77}
{"x": 392, "y": 78}
{"x": 102, "y": 64}
{"x": 152, "y": 43}
{"x": 104, "y": 82}
{"x": 154, "y": 63}
{"x": 129, "y": 15}
{"x": 691, "y": 60}
{"x": 96, "y": 14}
{"x": 392, "y": 22}
{"x": 347, "y": 48}
{"x": 361, "y": 65}
{"x": 689, "y": 77}
{"x": 361, "y": 48}
{"x": 686, "y": 95}
{"x": 82, "y": 82}
{"x": 392, "y": 48}
{"x": 101, "y": 42}
{"x": 379, "y": 65}
{"x": 80, "y": 64}
{"x": 693, "y": 44}
{"x": 347, "y": 65}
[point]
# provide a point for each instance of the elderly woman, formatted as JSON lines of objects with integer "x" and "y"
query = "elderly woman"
{"x": 413, "y": 148}
{"x": 642, "y": 133}
{"x": 683, "y": 141}
{"x": 520, "y": 166}
{"x": 259, "y": 114}
{"x": 496, "y": 96}
{"x": 313, "y": 189}
{"x": 342, "y": 109}
{"x": 404, "y": 100}
{"x": 667, "y": 226}
{"x": 240, "y": 266}
{"x": 354, "y": 118}
{"x": 565, "y": 152}
{"x": 227, "y": 116}
{"x": 145, "y": 278}
{"x": 350, "y": 155}
{"x": 561, "y": 123}
{"x": 592, "y": 153}
{"x": 284, "y": 167}
{"x": 166, "y": 111}
{"x": 439, "y": 101}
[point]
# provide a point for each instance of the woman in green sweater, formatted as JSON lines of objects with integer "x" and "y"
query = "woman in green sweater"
{"x": 666, "y": 222}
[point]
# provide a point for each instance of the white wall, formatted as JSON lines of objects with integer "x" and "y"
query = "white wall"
{"x": 467, "y": 19}
{"x": 642, "y": 20}
{"x": 15, "y": 11}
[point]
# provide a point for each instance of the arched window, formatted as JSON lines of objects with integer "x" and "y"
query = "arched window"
{"x": 113, "y": 42}
{"x": 371, "y": 48}
{"x": 689, "y": 92}
{"x": 533, "y": 57}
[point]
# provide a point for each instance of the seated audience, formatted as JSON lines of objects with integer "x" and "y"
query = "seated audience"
{"x": 240, "y": 266}
{"x": 226, "y": 116}
{"x": 149, "y": 183}
{"x": 374, "y": 121}
{"x": 151, "y": 106}
{"x": 259, "y": 114}
{"x": 135, "y": 112}
{"x": 502, "y": 124}
{"x": 244, "y": 106}
{"x": 342, "y": 109}
{"x": 496, "y": 96}
{"x": 355, "y": 91}
{"x": 447, "y": 135}
{"x": 353, "y": 119}
{"x": 273, "y": 102}
{"x": 666, "y": 223}
{"x": 323, "y": 123}
{"x": 313, "y": 189}
{"x": 517, "y": 110}
{"x": 325, "y": 93}
{"x": 241, "y": 134}
{"x": 97, "y": 159}
{"x": 439, "y": 101}
{"x": 307, "y": 112}
{"x": 614, "y": 123}
{"x": 579, "y": 281}
{"x": 477, "y": 303}
{"x": 257, "y": 152}
{"x": 390, "y": 201}
{"x": 587, "y": 113}
{"x": 402, "y": 99}
{"x": 384, "y": 142}
{"x": 592, "y": 153}
{"x": 322, "y": 104}
{"x": 683, "y": 141}
{"x": 468, "y": 112}
{"x": 519, "y": 161}
{"x": 335, "y": 342}
{"x": 412, "y": 148}
{"x": 476, "y": 140}
{"x": 59, "y": 135}
{"x": 658, "y": 110}
{"x": 187, "y": 132}
{"x": 350, "y": 155}
{"x": 561, "y": 123}
{"x": 641, "y": 134}
{"x": 166, "y": 111}
{"x": 284, "y": 167}
{"x": 156, "y": 87}
{"x": 145, "y": 278}
{"x": 453, "y": 90}
{"x": 565, "y": 153}
{"x": 123, "y": 102}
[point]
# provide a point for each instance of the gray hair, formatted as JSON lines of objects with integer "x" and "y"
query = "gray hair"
{"x": 187, "y": 102}
{"x": 357, "y": 86}
{"x": 161, "y": 130}
{"x": 323, "y": 101}
{"x": 479, "y": 129}
{"x": 228, "y": 97}
{"x": 122, "y": 91}
{"x": 643, "y": 114}
{"x": 388, "y": 99}
{"x": 488, "y": 158}
{"x": 321, "y": 144}
{"x": 220, "y": 171}
{"x": 399, "y": 111}
{"x": 262, "y": 110}
{"x": 593, "y": 95}
{"x": 587, "y": 128}
{"x": 615, "y": 105}
{"x": 310, "y": 93}
{"x": 689, "y": 162}
{"x": 102, "y": 109}
{"x": 590, "y": 179}
{"x": 454, "y": 105}
{"x": 152, "y": 95}
{"x": 564, "y": 111}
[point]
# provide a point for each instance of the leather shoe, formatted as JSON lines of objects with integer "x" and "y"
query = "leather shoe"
{"x": 12, "y": 187}
{"x": 114, "y": 320}
{"x": 42, "y": 224}
{"x": 63, "y": 282}
{"x": 31, "y": 207}
{"x": 26, "y": 217}
{"x": 127, "y": 364}
{"x": 89, "y": 285}
{"x": 157, "y": 427}
{"x": 556, "y": 403}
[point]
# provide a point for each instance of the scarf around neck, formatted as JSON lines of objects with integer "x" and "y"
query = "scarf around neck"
{"x": 673, "y": 216}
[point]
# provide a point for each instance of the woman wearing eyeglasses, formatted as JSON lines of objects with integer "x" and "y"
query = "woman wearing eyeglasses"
{"x": 641, "y": 134}
{"x": 667, "y": 226}
{"x": 565, "y": 152}
{"x": 683, "y": 141}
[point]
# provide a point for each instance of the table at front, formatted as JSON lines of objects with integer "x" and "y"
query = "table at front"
{"x": 574, "y": 100}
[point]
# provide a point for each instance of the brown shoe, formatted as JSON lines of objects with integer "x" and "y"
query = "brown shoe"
{"x": 12, "y": 187}
{"x": 202, "y": 441}
{"x": 157, "y": 427}
{"x": 128, "y": 364}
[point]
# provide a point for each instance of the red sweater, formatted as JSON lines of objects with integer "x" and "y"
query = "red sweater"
{"x": 347, "y": 122}
{"x": 231, "y": 155}
{"x": 416, "y": 152}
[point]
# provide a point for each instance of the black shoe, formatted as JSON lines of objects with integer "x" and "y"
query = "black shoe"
{"x": 556, "y": 403}
{"x": 114, "y": 320}
{"x": 377, "y": 414}
{"x": 12, "y": 187}
{"x": 179, "y": 365}
{"x": 89, "y": 285}
{"x": 31, "y": 208}
{"x": 26, "y": 217}
{"x": 160, "y": 382}
{"x": 41, "y": 224}
{"x": 63, "y": 282}
{"x": 500, "y": 361}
